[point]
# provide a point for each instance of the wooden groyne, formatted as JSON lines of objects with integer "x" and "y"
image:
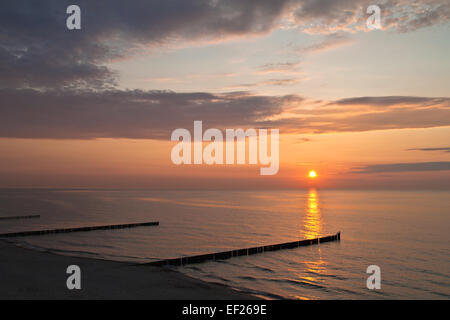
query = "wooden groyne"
{"x": 20, "y": 217}
{"x": 242, "y": 252}
{"x": 83, "y": 229}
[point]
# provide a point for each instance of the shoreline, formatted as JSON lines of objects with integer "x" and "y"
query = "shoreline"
{"x": 30, "y": 274}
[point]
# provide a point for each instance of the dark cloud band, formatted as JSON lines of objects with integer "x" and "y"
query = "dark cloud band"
{"x": 88, "y": 114}
{"x": 405, "y": 167}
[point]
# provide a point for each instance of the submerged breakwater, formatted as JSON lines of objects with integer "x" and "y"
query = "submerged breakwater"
{"x": 243, "y": 252}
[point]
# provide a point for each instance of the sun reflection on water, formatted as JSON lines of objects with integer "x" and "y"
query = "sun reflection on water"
{"x": 313, "y": 266}
{"x": 312, "y": 223}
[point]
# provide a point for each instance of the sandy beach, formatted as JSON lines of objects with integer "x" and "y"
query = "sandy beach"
{"x": 30, "y": 274}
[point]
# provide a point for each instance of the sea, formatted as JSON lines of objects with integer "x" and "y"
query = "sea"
{"x": 404, "y": 233}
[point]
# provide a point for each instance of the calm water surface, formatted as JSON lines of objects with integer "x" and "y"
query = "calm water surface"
{"x": 406, "y": 233}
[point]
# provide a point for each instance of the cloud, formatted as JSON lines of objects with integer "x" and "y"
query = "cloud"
{"x": 89, "y": 114}
{"x": 365, "y": 114}
{"x": 388, "y": 101}
{"x": 446, "y": 149}
{"x": 286, "y": 68}
{"x": 54, "y": 83}
{"x": 302, "y": 140}
{"x": 330, "y": 41}
{"x": 37, "y": 50}
{"x": 269, "y": 82}
{"x": 405, "y": 167}
{"x": 72, "y": 114}
{"x": 330, "y": 16}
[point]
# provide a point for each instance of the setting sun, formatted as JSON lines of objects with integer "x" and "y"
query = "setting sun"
{"x": 312, "y": 174}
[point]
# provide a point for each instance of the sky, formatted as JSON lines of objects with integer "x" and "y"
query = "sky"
{"x": 95, "y": 108}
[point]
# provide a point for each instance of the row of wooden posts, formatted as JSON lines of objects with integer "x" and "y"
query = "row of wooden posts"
{"x": 182, "y": 260}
